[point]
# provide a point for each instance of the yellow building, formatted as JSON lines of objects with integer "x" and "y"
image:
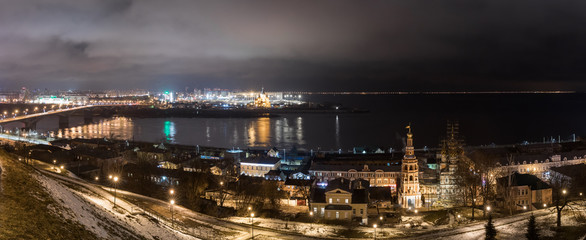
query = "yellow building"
{"x": 262, "y": 100}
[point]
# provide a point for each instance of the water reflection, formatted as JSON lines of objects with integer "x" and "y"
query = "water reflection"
{"x": 283, "y": 132}
{"x": 119, "y": 128}
{"x": 259, "y": 132}
{"x": 337, "y": 132}
{"x": 169, "y": 131}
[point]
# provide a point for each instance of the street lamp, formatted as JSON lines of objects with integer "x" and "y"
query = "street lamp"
{"x": 374, "y": 226}
{"x": 97, "y": 178}
{"x": 251, "y": 228}
{"x": 115, "y": 188}
{"x": 172, "y": 202}
{"x": 311, "y": 220}
{"x": 544, "y": 205}
{"x": 488, "y": 208}
{"x": 564, "y": 191}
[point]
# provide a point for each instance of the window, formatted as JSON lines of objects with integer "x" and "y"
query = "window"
{"x": 322, "y": 211}
{"x": 337, "y": 200}
{"x": 354, "y": 211}
{"x": 330, "y": 200}
{"x": 361, "y": 211}
{"x": 346, "y": 200}
{"x": 337, "y": 215}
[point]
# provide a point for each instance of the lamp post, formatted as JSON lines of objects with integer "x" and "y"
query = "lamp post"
{"x": 382, "y": 224}
{"x": 172, "y": 202}
{"x": 110, "y": 177}
{"x": 115, "y": 187}
{"x": 374, "y": 226}
{"x": 251, "y": 228}
{"x": 311, "y": 219}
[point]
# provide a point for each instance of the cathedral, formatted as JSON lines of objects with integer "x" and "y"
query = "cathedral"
{"x": 450, "y": 155}
{"x": 262, "y": 100}
{"x": 415, "y": 191}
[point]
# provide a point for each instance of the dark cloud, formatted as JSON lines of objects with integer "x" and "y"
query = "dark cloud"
{"x": 325, "y": 45}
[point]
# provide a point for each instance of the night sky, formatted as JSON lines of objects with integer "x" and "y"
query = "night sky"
{"x": 294, "y": 45}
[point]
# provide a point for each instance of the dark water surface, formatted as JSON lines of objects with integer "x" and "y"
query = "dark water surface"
{"x": 484, "y": 119}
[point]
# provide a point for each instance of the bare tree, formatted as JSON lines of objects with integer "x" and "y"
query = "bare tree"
{"x": 559, "y": 185}
{"x": 468, "y": 179}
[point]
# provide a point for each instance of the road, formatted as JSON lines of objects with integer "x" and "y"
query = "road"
{"x": 477, "y": 230}
{"x": 185, "y": 215}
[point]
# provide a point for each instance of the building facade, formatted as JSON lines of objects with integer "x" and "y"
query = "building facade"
{"x": 410, "y": 193}
{"x": 258, "y": 166}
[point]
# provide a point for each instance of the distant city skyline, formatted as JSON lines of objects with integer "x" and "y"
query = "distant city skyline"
{"x": 311, "y": 46}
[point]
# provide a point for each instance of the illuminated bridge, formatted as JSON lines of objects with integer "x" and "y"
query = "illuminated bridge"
{"x": 30, "y": 120}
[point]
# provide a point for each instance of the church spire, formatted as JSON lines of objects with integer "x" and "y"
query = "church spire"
{"x": 409, "y": 149}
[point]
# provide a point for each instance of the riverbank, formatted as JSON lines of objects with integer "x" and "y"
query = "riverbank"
{"x": 226, "y": 113}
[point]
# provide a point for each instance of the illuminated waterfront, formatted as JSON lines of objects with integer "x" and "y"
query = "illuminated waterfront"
{"x": 484, "y": 119}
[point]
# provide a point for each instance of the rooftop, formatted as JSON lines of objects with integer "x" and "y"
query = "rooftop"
{"x": 260, "y": 160}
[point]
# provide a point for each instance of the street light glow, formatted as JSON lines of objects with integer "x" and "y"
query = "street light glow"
{"x": 115, "y": 179}
{"x": 374, "y": 225}
{"x": 488, "y": 208}
{"x": 564, "y": 191}
{"x": 171, "y": 191}
{"x": 172, "y": 202}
